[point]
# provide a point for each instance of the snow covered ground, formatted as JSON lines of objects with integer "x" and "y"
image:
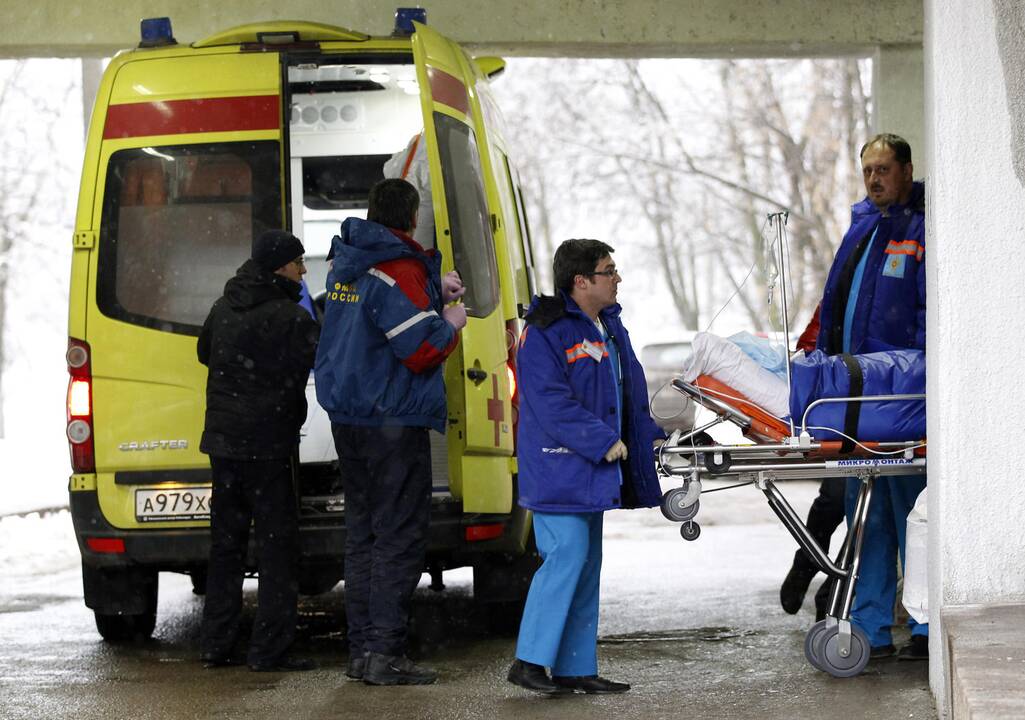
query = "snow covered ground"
{"x": 34, "y": 461}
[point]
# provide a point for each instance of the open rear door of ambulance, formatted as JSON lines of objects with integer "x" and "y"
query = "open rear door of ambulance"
{"x": 480, "y": 420}
{"x": 190, "y": 167}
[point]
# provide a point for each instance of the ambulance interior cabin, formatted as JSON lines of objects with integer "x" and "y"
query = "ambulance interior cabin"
{"x": 345, "y": 122}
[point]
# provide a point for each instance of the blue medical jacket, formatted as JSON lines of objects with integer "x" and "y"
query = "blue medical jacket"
{"x": 890, "y": 302}
{"x": 568, "y": 414}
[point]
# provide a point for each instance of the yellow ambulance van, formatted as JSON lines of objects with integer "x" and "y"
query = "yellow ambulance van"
{"x": 193, "y": 149}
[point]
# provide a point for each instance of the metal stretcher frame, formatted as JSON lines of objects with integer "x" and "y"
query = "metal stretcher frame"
{"x": 782, "y": 451}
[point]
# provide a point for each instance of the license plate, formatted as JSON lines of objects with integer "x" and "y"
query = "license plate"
{"x": 179, "y": 503}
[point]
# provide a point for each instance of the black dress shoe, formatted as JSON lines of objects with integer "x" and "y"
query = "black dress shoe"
{"x": 880, "y": 652}
{"x": 357, "y": 665}
{"x": 917, "y": 649}
{"x": 591, "y": 684}
{"x": 286, "y": 663}
{"x": 794, "y": 588}
{"x": 213, "y": 660}
{"x": 395, "y": 670}
{"x": 533, "y": 677}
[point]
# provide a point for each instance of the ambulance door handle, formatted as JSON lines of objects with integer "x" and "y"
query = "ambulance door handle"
{"x": 477, "y": 375}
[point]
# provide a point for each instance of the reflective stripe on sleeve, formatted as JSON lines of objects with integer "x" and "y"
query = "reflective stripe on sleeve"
{"x": 384, "y": 277}
{"x": 402, "y": 327}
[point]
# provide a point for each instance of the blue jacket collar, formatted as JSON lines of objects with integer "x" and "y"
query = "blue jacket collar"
{"x": 916, "y": 203}
{"x": 363, "y": 244}
{"x": 611, "y": 312}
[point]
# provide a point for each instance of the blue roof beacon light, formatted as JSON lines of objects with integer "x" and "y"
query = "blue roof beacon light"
{"x": 404, "y": 18}
{"x": 156, "y": 32}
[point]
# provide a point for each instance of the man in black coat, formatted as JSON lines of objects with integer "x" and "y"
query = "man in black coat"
{"x": 259, "y": 346}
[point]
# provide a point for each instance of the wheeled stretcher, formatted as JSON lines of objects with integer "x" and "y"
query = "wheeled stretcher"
{"x": 783, "y": 449}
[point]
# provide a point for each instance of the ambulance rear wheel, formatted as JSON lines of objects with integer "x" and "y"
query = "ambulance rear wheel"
{"x": 126, "y": 628}
{"x": 198, "y": 577}
{"x": 123, "y": 600}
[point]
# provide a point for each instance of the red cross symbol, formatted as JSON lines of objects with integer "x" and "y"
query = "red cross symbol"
{"x": 496, "y": 410}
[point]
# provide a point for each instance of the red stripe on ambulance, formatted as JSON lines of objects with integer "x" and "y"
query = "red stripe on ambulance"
{"x": 448, "y": 90}
{"x": 177, "y": 117}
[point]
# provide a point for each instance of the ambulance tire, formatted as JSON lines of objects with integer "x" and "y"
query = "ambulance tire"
{"x": 198, "y": 577}
{"x": 123, "y": 600}
{"x": 500, "y": 586}
{"x": 117, "y": 629}
{"x": 503, "y": 617}
{"x": 316, "y": 583}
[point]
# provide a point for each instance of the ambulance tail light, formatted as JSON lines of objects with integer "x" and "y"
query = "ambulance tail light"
{"x": 489, "y": 531}
{"x": 80, "y": 407}
{"x": 404, "y": 18}
{"x": 114, "y": 546}
{"x": 156, "y": 32}
{"x": 510, "y": 369}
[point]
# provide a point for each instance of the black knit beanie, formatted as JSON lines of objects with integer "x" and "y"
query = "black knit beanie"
{"x": 276, "y": 248}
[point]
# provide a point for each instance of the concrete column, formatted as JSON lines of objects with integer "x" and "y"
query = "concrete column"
{"x": 92, "y": 71}
{"x": 898, "y": 92}
{"x": 975, "y": 92}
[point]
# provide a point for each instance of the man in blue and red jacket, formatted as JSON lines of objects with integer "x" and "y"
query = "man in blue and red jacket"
{"x": 875, "y": 300}
{"x": 387, "y": 330}
{"x": 585, "y": 445}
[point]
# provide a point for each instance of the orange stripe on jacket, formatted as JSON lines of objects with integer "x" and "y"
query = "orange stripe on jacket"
{"x": 905, "y": 247}
{"x": 577, "y": 351}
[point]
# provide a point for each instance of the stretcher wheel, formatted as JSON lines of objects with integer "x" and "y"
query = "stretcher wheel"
{"x": 717, "y": 467}
{"x": 832, "y": 662}
{"x": 811, "y": 641}
{"x": 690, "y": 531}
{"x": 679, "y": 505}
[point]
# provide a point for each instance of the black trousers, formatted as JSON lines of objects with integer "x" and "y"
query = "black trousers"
{"x": 386, "y": 474}
{"x": 261, "y": 493}
{"x": 824, "y": 516}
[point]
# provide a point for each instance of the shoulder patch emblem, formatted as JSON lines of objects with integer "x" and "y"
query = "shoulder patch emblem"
{"x": 893, "y": 265}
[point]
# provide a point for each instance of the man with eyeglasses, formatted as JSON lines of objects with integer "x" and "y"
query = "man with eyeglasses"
{"x": 259, "y": 345}
{"x": 585, "y": 445}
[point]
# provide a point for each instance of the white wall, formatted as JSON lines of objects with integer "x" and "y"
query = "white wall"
{"x": 975, "y": 70}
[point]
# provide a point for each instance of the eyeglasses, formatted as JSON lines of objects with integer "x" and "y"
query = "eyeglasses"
{"x": 609, "y": 273}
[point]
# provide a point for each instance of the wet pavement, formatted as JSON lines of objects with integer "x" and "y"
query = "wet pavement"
{"x": 695, "y": 627}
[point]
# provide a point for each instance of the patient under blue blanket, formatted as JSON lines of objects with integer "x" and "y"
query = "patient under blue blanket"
{"x": 891, "y": 372}
{"x": 816, "y": 376}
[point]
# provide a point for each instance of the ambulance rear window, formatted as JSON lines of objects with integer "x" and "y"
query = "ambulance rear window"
{"x": 473, "y": 245}
{"x": 177, "y": 223}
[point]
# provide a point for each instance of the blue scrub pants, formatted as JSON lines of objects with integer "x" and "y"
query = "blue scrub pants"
{"x": 560, "y": 621}
{"x": 885, "y": 531}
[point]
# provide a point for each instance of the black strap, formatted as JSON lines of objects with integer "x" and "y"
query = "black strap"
{"x": 856, "y": 388}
